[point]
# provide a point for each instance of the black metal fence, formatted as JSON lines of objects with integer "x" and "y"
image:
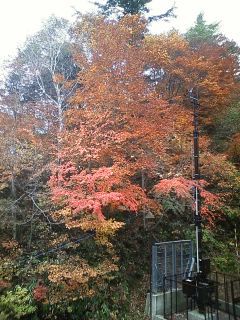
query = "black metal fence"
{"x": 171, "y": 263}
{"x": 228, "y": 294}
{"x": 222, "y": 302}
{"x": 235, "y": 293}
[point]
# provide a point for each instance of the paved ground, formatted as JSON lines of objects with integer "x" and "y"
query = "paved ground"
{"x": 221, "y": 316}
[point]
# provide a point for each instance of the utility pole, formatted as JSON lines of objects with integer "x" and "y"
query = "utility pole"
{"x": 197, "y": 285}
{"x": 196, "y": 177}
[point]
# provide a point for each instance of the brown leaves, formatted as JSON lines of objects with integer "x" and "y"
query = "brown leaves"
{"x": 73, "y": 278}
{"x": 178, "y": 67}
{"x": 234, "y": 148}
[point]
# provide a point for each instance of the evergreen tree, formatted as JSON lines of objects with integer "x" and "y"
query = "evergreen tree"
{"x": 132, "y": 7}
{"x": 128, "y": 7}
{"x": 202, "y": 32}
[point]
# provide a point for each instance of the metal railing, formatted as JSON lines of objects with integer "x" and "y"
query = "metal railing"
{"x": 222, "y": 302}
{"x": 172, "y": 262}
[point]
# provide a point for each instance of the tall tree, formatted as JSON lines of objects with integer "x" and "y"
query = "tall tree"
{"x": 132, "y": 7}
{"x": 44, "y": 69}
{"x": 118, "y": 129}
{"x": 22, "y": 161}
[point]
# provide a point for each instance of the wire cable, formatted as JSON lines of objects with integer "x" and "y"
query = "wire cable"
{"x": 59, "y": 247}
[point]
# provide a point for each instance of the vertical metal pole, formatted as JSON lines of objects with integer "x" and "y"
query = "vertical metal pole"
{"x": 165, "y": 260}
{"x": 152, "y": 275}
{"x": 173, "y": 259}
{"x": 171, "y": 292}
{"x": 216, "y": 295}
{"x": 181, "y": 270}
{"x": 233, "y": 300}
{"x": 176, "y": 293}
{"x": 227, "y": 303}
{"x": 164, "y": 296}
{"x": 154, "y": 269}
{"x": 196, "y": 177}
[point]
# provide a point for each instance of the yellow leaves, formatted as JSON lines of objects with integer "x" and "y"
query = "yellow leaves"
{"x": 62, "y": 213}
{"x": 74, "y": 277}
{"x": 107, "y": 229}
{"x": 59, "y": 240}
{"x": 77, "y": 272}
{"x": 166, "y": 45}
{"x": 183, "y": 124}
{"x": 156, "y": 50}
{"x": 3, "y": 186}
{"x": 104, "y": 229}
{"x": 71, "y": 275}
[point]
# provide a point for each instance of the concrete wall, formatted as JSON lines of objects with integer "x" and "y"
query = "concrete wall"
{"x": 226, "y": 306}
{"x": 175, "y": 301}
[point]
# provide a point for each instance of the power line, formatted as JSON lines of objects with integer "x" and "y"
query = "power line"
{"x": 59, "y": 247}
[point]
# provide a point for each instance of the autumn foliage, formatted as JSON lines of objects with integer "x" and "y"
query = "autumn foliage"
{"x": 121, "y": 126}
{"x": 40, "y": 292}
{"x": 183, "y": 189}
{"x": 105, "y": 145}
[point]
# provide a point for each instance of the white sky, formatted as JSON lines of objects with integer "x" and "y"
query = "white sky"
{"x": 21, "y": 18}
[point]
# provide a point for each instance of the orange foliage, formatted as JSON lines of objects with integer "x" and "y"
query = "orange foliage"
{"x": 183, "y": 188}
{"x": 179, "y": 67}
{"x": 74, "y": 277}
{"x": 120, "y": 126}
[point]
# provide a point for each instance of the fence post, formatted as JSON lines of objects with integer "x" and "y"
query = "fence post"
{"x": 233, "y": 300}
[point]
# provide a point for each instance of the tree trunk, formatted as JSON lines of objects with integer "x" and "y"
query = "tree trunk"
{"x": 13, "y": 208}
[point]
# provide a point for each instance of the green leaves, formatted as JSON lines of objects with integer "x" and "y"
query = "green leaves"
{"x": 128, "y": 7}
{"x": 202, "y": 32}
{"x": 16, "y": 304}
